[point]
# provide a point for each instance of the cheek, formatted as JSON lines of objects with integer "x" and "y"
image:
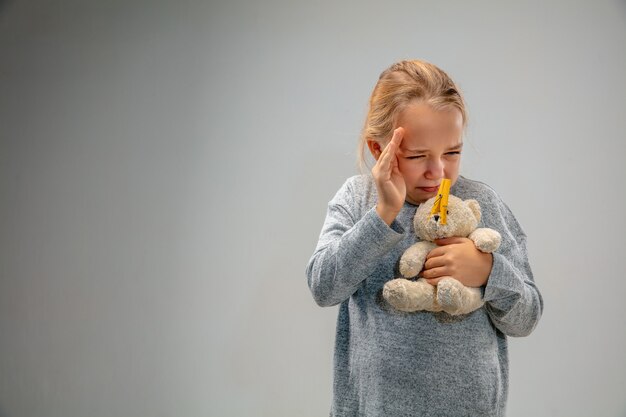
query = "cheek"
{"x": 451, "y": 168}
{"x": 409, "y": 167}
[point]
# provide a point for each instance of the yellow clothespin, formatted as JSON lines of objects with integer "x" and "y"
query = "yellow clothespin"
{"x": 441, "y": 202}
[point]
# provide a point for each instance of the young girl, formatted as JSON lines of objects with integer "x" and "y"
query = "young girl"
{"x": 389, "y": 363}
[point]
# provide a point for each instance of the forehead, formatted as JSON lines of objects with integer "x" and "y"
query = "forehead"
{"x": 426, "y": 127}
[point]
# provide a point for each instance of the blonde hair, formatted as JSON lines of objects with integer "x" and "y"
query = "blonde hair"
{"x": 400, "y": 84}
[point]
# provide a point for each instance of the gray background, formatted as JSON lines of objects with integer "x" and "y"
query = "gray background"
{"x": 165, "y": 169}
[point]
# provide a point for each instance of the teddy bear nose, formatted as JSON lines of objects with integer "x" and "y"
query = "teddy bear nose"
{"x": 436, "y": 216}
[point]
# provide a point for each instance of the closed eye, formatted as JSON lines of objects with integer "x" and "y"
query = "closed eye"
{"x": 415, "y": 157}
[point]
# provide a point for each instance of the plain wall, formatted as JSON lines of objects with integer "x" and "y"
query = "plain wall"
{"x": 165, "y": 169}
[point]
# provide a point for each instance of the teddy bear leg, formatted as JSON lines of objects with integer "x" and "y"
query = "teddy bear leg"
{"x": 455, "y": 298}
{"x": 409, "y": 296}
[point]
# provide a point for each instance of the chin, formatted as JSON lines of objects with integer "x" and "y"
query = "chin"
{"x": 416, "y": 200}
{"x": 419, "y": 199}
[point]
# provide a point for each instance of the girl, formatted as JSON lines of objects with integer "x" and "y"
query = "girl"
{"x": 389, "y": 363}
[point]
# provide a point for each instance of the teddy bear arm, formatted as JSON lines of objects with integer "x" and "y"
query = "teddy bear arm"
{"x": 412, "y": 260}
{"x": 486, "y": 240}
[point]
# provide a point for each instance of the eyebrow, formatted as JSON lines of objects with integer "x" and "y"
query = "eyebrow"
{"x": 456, "y": 147}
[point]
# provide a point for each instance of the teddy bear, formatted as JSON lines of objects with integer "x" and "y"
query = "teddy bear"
{"x": 461, "y": 219}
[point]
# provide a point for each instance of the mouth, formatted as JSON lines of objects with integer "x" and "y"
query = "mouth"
{"x": 429, "y": 189}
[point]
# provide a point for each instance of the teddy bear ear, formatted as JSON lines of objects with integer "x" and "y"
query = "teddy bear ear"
{"x": 475, "y": 207}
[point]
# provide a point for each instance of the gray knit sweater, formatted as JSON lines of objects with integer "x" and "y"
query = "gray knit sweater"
{"x": 391, "y": 364}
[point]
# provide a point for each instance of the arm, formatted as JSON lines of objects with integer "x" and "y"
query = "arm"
{"x": 350, "y": 245}
{"x": 513, "y": 301}
{"x": 347, "y": 251}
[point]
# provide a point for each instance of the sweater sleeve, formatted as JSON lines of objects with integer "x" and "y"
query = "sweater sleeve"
{"x": 513, "y": 301}
{"x": 347, "y": 249}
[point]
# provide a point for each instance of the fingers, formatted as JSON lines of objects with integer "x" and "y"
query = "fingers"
{"x": 438, "y": 251}
{"x": 440, "y": 261}
{"x": 389, "y": 152}
{"x": 396, "y": 140}
{"x": 389, "y": 180}
{"x": 443, "y": 243}
{"x": 450, "y": 240}
{"x": 435, "y": 262}
{"x": 435, "y": 273}
{"x": 398, "y": 135}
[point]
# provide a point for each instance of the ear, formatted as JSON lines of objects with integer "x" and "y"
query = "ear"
{"x": 475, "y": 207}
{"x": 375, "y": 148}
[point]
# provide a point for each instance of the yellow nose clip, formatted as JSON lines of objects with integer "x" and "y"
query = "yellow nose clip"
{"x": 440, "y": 206}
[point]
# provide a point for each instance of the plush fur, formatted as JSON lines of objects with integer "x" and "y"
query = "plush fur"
{"x": 449, "y": 295}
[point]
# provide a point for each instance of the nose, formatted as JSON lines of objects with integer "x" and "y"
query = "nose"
{"x": 436, "y": 216}
{"x": 435, "y": 169}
